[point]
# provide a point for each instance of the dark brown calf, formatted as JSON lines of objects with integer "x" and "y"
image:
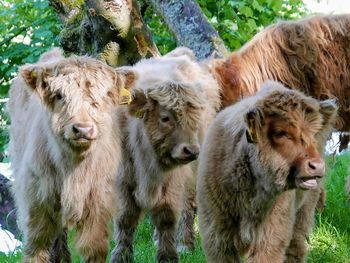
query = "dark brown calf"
{"x": 259, "y": 176}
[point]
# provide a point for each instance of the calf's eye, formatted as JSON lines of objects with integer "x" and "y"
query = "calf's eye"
{"x": 58, "y": 96}
{"x": 281, "y": 134}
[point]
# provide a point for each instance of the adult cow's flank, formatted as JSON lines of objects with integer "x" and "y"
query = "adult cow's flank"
{"x": 311, "y": 55}
{"x": 65, "y": 152}
{"x": 162, "y": 130}
{"x": 259, "y": 176}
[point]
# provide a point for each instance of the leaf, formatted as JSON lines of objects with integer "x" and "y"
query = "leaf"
{"x": 247, "y": 11}
{"x": 257, "y": 6}
{"x": 276, "y": 4}
{"x": 251, "y": 23}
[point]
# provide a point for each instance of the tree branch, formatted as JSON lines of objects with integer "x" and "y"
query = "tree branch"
{"x": 190, "y": 27}
{"x": 65, "y": 11}
{"x": 17, "y": 33}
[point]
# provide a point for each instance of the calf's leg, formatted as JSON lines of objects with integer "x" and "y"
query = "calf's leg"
{"x": 59, "y": 252}
{"x": 125, "y": 225}
{"x": 41, "y": 229}
{"x": 92, "y": 239}
{"x": 186, "y": 237}
{"x": 277, "y": 232}
{"x": 297, "y": 249}
{"x": 165, "y": 220}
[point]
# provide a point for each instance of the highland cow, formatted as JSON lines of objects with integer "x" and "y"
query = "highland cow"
{"x": 311, "y": 55}
{"x": 260, "y": 168}
{"x": 65, "y": 151}
{"x": 174, "y": 101}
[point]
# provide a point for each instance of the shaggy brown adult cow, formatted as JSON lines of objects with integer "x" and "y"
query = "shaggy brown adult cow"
{"x": 311, "y": 55}
{"x": 258, "y": 176}
{"x": 65, "y": 152}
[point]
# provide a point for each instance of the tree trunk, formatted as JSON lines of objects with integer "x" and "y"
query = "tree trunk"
{"x": 7, "y": 207}
{"x": 63, "y": 11}
{"x": 190, "y": 27}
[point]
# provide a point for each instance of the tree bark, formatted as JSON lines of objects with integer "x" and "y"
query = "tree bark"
{"x": 63, "y": 11}
{"x": 344, "y": 139}
{"x": 190, "y": 27}
{"x": 111, "y": 30}
{"x": 7, "y": 207}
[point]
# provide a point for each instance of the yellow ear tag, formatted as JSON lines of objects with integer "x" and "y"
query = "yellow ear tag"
{"x": 139, "y": 114}
{"x": 125, "y": 96}
{"x": 252, "y": 131}
{"x": 33, "y": 74}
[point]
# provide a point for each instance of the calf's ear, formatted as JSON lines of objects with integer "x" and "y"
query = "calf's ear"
{"x": 328, "y": 109}
{"x": 254, "y": 120}
{"x": 36, "y": 79}
{"x": 138, "y": 105}
{"x": 33, "y": 76}
{"x": 128, "y": 75}
{"x": 128, "y": 78}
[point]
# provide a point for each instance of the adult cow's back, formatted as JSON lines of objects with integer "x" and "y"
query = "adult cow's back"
{"x": 311, "y": 55}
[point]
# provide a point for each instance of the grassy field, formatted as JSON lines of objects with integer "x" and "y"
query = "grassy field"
{"x": 329, "y": 243}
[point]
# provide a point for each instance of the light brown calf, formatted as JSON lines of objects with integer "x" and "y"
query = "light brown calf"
{"x": 162, "y": 131}
{"x": 259, "y": 173}
{"x": 65, "y": 152}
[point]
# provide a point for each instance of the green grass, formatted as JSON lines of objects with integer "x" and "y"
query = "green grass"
{"x": 329, "y": 243}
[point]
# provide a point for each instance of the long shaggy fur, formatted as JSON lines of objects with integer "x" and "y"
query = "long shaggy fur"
{"x": 56, "y": 184}
{"x": 311, "y": 55}
{"x": 249, "y": 203}
{"x": 150, "y": 179}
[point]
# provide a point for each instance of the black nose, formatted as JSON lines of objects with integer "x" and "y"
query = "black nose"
{"x": 190, "y": 152}
{"x": 83, "y": 130}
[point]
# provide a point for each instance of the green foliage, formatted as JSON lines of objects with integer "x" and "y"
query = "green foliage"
{"x": 27, "y": 29}
{"x": 164, "y": 40}
{"x": 237, "y": 21}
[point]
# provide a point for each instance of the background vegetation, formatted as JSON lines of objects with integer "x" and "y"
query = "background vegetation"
{"x": 27, "y": 29}
{"x": 30, "y": 27}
